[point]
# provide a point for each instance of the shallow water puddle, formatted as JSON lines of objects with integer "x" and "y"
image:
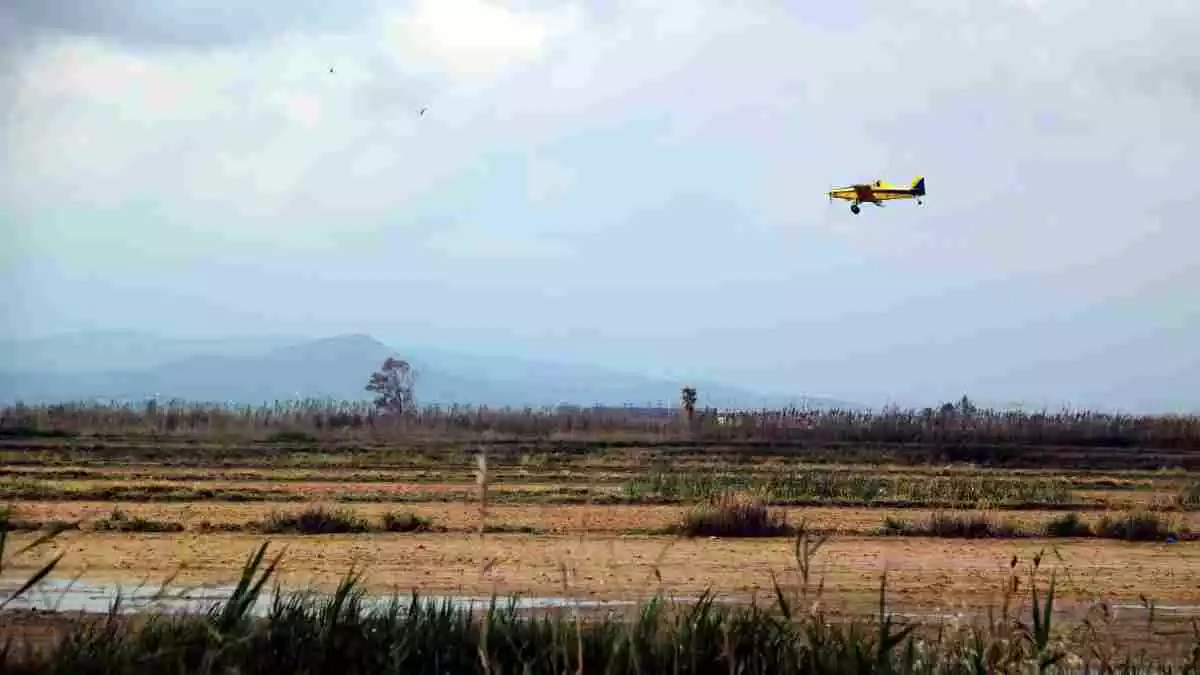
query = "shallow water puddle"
{"x": 73, "y": 596}
{"x": 68, "y": 595}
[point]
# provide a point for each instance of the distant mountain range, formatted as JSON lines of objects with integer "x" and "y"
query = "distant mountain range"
{"x": 135, "y": 367}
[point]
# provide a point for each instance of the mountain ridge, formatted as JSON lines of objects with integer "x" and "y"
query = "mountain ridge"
{"x": 258, "y": 370}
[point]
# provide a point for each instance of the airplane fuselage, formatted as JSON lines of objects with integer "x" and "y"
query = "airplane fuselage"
{"x": 878, "y": 192}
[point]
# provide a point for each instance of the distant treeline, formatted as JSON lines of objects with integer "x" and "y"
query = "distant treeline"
{"x": 951, "y": 424}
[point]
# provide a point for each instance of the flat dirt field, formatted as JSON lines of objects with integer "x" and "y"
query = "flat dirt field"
{"x": 630, "y": 519}
{"x": 923, "y": 573}
{"x": 618, "y": 524}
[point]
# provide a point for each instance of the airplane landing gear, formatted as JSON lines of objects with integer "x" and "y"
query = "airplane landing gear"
{"x": 854, "y": 208}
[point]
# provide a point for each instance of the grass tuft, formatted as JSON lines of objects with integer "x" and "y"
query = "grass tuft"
{"x": 961, "y": 526}
{"x": 1068, "y": 525}
{"x": 289, "y": 436}
{"x": 406, "y": 522}
{"x": 315, "y": 520}
{"x": 733, "y": 517}
{"x": 1189, "y": 496}
{"x": 1134, "y": 527}
{"x": 118, "y": 521}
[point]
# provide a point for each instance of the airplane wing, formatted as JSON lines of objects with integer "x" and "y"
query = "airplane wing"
{"x": 889, "y": 194}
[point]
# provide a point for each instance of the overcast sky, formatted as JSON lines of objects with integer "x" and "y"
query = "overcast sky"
{"x": 638, "y": 184}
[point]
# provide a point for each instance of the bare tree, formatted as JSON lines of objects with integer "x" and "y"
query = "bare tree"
{"x": 393, "y": 386}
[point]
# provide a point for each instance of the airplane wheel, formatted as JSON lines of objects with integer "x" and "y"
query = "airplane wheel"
{"x": 854, "y": 208}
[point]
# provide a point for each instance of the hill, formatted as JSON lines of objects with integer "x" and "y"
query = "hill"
{"x": 268, "y": 369}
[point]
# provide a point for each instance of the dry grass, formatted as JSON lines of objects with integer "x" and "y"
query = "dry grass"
{"x": 306, "y": 422}
{"x": 730, "y": 516}
{"x": 576, "y": 519}
{"x": 224, "y": 477}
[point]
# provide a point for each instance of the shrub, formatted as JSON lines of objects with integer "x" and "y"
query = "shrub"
{"x": 1068, "y": 525}
{"x": 965, "y": 526}
{"x": 118, "y": 521}
{"x": 1189, "y": 496}
{"x": 1134, "y": 527}
{"x": 406, "y": 522}
{"x": 291, "y": 436}
{"x": 895, "y": 526}
{"x": 729, "y": 517}
{"x": 316, "y": 520}
{"x": 970, "y": 526}
{"x": 211, "y": 527}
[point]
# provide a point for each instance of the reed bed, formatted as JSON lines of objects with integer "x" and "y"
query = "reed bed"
{"x": 347, "y": 633}
{"x": 307, "y": 421}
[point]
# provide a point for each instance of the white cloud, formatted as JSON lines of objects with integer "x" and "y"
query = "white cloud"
{"x": 693, "y": 137}
{"x": 475, "y": 37}
{"x": 260, "y": 142}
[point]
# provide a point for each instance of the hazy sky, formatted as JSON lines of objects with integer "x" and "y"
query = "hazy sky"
{"x": 630, "y": 183}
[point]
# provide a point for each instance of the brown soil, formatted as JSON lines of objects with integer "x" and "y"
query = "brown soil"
{"x": 1129, "y": 499}
{"x": 549, "y": 519}
{"x": 315, "y": 489}
{"x": 921, "y": 572}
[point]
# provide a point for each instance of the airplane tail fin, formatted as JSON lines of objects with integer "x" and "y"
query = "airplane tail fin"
{"x": 919, "y": 185}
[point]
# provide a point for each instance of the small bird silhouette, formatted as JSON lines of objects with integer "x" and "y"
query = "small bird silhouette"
{"x": 331, "y": 69}
{"x": 422, "y": 113}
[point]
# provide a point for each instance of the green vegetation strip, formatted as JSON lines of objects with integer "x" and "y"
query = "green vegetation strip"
{"x": 849, "y": 487}
{"x": 795, "y": 489}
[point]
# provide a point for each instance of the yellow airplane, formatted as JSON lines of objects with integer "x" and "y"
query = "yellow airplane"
{"x": 878, "y": 192}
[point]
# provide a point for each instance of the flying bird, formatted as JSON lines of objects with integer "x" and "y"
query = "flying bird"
{"x": 422, "y": 113}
